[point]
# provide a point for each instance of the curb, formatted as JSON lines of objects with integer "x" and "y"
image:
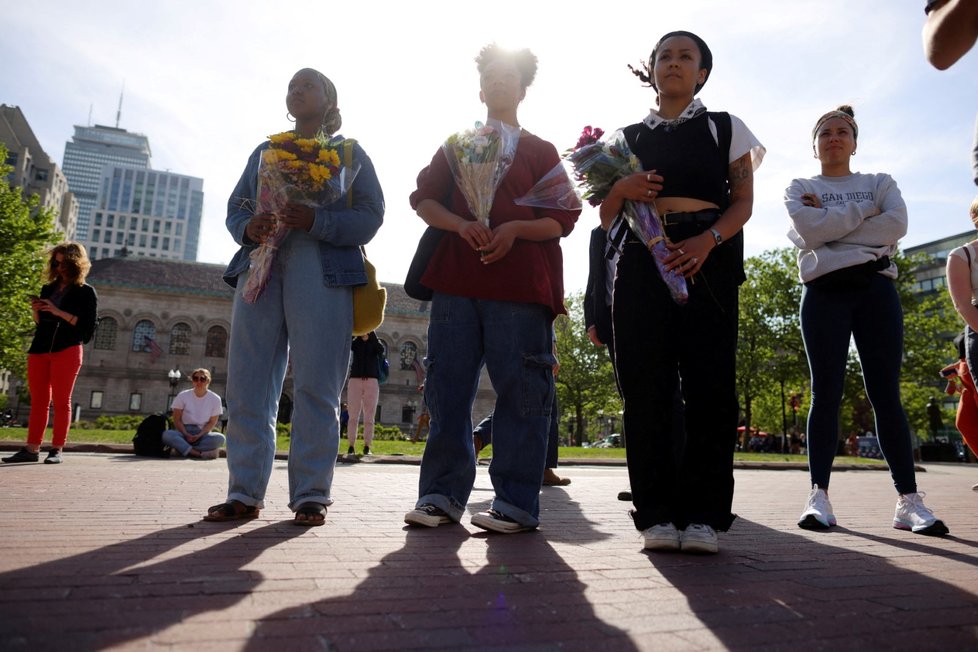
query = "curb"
{"x": 126, "y": 449}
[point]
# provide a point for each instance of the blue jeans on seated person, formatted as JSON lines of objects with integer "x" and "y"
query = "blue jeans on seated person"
{"x": 514, "y": 341}
{"x": 210, "y": 441}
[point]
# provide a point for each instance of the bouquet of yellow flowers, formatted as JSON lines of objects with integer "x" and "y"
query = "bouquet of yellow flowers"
{"x": 299, "y": 170}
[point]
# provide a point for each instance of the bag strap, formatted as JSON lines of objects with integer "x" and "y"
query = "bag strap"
{"x": 967, "y": 252}
{"x": 348, "y": 164}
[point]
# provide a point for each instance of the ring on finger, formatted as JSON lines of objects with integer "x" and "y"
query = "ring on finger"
{"x": 694, "y": 260}
{"x": 648, "y": 177}
{"x": 648, "y": 192}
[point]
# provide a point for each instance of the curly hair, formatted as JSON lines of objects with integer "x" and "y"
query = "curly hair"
{"x": 332, "y": 121}
{"x": 645, "y": 70}
{"x": 74, "y": 265}
{"x": 524, "y": 60}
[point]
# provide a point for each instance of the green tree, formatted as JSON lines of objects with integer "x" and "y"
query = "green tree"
{"x": 586, "y": 381}
{"x": 25, "y": 231}
{"x": 771, "y": 361}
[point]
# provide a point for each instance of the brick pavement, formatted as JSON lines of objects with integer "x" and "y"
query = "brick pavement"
{"x": 107, "y": 551}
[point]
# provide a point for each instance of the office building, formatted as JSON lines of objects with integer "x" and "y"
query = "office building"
{"x": 34, "y": 172}
{"x": 90, "y": 150}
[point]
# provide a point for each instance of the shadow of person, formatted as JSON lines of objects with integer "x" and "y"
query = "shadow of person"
{"x": 456, "y": 588}
{"x": 134, "y": 589}
{"x": 775, "y": 589}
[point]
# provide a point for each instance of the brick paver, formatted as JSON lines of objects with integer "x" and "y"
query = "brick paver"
{"x": 107, "y": 551}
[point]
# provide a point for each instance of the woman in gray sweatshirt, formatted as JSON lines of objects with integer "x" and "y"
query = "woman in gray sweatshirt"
{"x": 846, "y": 226}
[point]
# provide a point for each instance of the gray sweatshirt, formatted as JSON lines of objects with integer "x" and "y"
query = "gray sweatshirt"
{"x": 862, "y": 218}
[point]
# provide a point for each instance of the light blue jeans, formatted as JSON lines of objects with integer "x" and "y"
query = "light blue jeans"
{"x": 514, "y": 341}
{"x": 210, "y": 441}
{"x": 295, "y": 318}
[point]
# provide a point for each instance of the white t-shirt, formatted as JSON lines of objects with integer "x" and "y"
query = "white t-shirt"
{"x": 198, "y": 410}
{"x": 973, "y": 265}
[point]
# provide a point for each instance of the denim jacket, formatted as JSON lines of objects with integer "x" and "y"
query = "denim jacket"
{"x": 340, "y": 230}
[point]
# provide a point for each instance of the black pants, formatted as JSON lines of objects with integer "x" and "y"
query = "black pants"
{"x": 654, "y": 339}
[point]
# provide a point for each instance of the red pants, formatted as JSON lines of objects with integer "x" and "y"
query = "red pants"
{"x": 51, "y": 377}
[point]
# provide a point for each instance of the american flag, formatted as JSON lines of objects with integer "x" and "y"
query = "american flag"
{"x": 418, "y": 371}
{"x": 154, "y": 349}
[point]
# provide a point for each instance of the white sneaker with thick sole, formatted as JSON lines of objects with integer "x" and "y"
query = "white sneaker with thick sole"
{"x": 699, "y": 538}
{"x": 428, "y": 516}
{"x": 911, "y": 514}
{"x": 818, "y": 511}
{"x": 663, "y": 536}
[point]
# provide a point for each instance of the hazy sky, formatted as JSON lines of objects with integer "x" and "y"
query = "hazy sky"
{"x": 206, "y": 82}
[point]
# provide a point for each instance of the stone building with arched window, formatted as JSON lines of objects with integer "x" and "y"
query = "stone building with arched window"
{"x": 157, "y": 315}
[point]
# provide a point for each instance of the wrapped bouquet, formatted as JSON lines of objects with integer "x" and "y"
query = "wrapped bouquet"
{"x": 299, "y": 170}
{"x": 597, "y": 165}
{"x": 479, "y": 159}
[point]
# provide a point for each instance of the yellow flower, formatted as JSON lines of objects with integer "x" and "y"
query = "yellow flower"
{"x": 284, "y": 137}
{"x": 329, "y": 157}
{"x": 285, "y": 155}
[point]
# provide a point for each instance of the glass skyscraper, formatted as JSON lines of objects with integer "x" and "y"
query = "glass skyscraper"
{"x": 125, "y": 207}
{"x": 91, "y": 149}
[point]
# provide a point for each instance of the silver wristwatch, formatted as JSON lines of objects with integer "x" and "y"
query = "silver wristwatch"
{"x": 716, "y": 236}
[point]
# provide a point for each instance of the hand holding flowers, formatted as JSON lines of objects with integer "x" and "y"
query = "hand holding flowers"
{"x": 296, "y": 176}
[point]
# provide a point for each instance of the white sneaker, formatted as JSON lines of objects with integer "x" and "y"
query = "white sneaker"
{"x": 210, "y": 455}
{"x": 974, "y": 487}
{"x": 498, "y": 522}
{"x": 428, "y": 516}
{"x": 818, "y": 511}
{"x": 699, "y": 538}
{"x": 911, "y": 514}
{"x": 663, "y": 536}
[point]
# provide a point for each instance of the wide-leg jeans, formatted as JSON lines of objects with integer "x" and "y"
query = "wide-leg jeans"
{"x": 514, "y": 342}
{"x": 296, "y": 317}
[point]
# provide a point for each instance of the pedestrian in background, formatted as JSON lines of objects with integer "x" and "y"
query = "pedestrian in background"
{"x": 363, "y": 388}
{"x": 65, "y": 314}
{"x": 195, "y": 413}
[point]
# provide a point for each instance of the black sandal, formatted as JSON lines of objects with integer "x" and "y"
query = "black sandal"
{"x": 232, "y": 510}
{"x": 315, "y": 515}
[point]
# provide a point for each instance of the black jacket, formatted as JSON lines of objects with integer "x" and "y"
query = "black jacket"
{"x": 597, "y": 313}
{"x": 366, "y": 358}
{"x": 54, "y": 334}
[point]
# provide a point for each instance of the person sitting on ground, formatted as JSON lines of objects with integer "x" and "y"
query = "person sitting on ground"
{"x": 195, "y": 413}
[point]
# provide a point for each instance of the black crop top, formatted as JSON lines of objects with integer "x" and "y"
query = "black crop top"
{"x": 686, "y": 156}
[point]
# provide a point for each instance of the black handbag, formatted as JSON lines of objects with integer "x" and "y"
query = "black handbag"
{"x": 419, "y": 264}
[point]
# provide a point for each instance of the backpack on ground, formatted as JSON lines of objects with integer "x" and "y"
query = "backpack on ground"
{"x": 148, "y": 441}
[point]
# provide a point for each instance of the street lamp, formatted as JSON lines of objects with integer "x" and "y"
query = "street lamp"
{"x": 174, "y": 376}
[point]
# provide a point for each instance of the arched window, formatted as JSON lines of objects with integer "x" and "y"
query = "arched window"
{"x": 217, "y": 342}
{"x": 180, "y": 339}
{"x": 105, "y": 333}
{"x": 144, "y": 336}
{"x": 409, "y": 353}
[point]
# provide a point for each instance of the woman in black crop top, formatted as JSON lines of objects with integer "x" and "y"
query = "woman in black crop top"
{"x": 699, "y": 176}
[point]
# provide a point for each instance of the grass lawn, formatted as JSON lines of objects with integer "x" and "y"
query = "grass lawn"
{"x": 383, "y": 447}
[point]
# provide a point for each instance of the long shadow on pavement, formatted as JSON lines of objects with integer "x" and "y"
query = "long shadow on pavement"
{"x": 437, "y": 591}
{"x": 771, "y": 589}
{"x": 115, "y": 594}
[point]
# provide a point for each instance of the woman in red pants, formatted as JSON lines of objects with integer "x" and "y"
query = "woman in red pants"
{"x": 65, "y": 316}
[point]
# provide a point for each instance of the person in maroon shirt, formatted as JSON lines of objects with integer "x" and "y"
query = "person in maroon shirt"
{"x": 497, "y": 289}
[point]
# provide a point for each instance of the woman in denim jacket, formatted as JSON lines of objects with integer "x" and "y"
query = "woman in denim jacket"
{"x": 306, "y": 308}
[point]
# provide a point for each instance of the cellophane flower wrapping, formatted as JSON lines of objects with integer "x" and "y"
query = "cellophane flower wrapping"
{"x": 479, "y": 158}
{"x": 556, "y": 189}
{"x": 305, "y": 171}
{"x": 598, "y": 164}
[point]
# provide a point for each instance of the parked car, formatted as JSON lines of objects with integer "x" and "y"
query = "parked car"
{"x": 611, "y": 441}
